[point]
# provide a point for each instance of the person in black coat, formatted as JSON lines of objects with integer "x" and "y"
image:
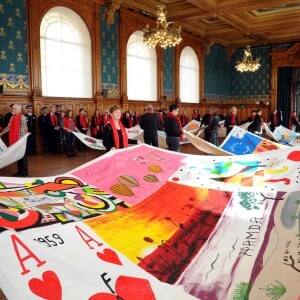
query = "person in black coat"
{"x": 150, "y": 123}
{"x": 257, "y": 125}
{"x": 274, "y": 119}
{"x": 173, "y": 128}
{"x": 31, "y": 125}
{"x": 210, "y": 121}
{"x": 42, "y": 124}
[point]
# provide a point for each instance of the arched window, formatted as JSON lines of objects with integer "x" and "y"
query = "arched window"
{"x": 189, "y": 76}
{"x": 65, "y": 54}
{"x": 141, "y": 69}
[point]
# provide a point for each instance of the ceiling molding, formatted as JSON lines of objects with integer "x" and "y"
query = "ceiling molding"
{"x": 230, "y": 23}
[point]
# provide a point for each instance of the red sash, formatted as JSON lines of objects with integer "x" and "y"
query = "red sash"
{"x": 130, "y": 122}
{"x": 105, "y": 119}
{"x": 67, "y": 122}
{"x": 83, "y": 121}
{"x": 233, "y": 119}
{"x": 116, "y": 135}
{"x": 183, "y": 119}
{"x": 96, "y": 120}
{"x": 14, "y": 128}
{"x": 54, "y": 120}
{"x": 275, "y": 120}
{"x": 169, "y": 114}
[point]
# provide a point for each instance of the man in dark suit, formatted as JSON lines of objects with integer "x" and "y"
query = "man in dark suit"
{"x": 31, "y": 125}
{"x": 42, "y": 124}
{"x": 150, "y": 124}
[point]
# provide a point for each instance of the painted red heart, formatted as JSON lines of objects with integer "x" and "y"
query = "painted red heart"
{"x": 294, "y": 156}
{"x": 48, "y": 287}
{"x": 103, "y": 296}
{"x": 129, "y": 288}
{"x": 110, "y": 256}
{"x": 132, "y": 288}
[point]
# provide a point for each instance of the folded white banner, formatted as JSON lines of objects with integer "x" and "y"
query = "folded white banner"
{"x": 13, "y": 153}
{"x": 89, "y": 141}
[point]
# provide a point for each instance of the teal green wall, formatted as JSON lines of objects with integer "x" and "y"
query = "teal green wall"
{"x": 13, "y": 45}
{"x": 109, "y": 55}
{"x": 224, "y": 83}
{"x": 217, "y": 74}
{"x": 255, "y": 84}
{"x": 168, "y": 73}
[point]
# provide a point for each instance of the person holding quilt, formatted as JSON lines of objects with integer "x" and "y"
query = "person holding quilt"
{"x": 115, "y": 135}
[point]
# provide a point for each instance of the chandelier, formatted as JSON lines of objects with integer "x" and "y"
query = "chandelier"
{"x": 166, "y": 34}
{"x": 247, "y": 64}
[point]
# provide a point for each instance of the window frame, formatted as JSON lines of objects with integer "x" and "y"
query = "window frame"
{"x": 36, "y": 10}
{"x": 197, "y": 79}
{"x": 83, "y": 45}
{"x": 139, "y": 59}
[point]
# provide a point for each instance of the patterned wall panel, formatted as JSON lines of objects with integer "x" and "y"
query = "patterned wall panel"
{"x": 13, "y": 45}
{"x": 252, "y": 85}
{"x": 109, "y": 56}
{"x": 168, "y": 73}
{"x": 217, "y": 78}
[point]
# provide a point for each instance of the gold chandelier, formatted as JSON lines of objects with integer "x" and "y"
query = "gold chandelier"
{"x": 247, "y": 64}
{"x": 166, "y": 34}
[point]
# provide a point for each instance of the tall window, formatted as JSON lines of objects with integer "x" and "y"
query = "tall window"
{"x": 65, "y": 54}
{"x": 141, "y": 69}
{"x": 189, "y": 76}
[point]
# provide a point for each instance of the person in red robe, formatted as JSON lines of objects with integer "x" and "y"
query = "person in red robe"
{"x": 127, "y": 120}
{"x": 274, "y": 119}
{"x": 96, "y": 122}
{"x": 231, "y": 120}
{"x": 16, "y": 128}
{"x": 82, "y": 125}
{"x": 196, "y": 115}
{"x": 69, "y": 126}
{"x": 184, "y": 119}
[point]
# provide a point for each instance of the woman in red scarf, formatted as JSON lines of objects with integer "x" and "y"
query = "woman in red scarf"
{"x": 127, "y": 120}
{"x": 16, "y": 128}
{"x": 294, "y": 122}
{"x": 274, "y": 119}
{"x": 83, "y": 126}
{"x": 173, "y": 128}
{"x": 96, "y": 124}
{"x": 69, "y": 126}
{"x": 184, "y": 119}
{"x": 231, "y": 120}
{"x": 196, "y": 115}
{"x": 115, "y": 135}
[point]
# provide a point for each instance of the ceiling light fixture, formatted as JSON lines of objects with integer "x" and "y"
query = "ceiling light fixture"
{"x": 247, "y": 64}
{"x": 166, "y": 34}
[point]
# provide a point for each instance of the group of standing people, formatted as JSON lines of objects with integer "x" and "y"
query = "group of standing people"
{"x": 115, "y": 136}
{"x": 56, "y": 127}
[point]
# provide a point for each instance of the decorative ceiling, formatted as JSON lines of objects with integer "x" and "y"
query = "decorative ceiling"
{"x": 232, "y": 24}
